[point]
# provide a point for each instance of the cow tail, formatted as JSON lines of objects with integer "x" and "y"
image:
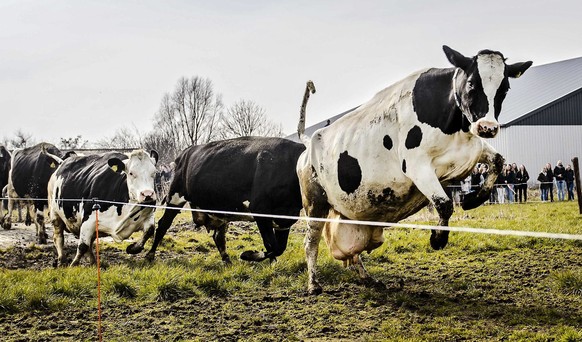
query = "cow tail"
{"x": 309, "y": 89}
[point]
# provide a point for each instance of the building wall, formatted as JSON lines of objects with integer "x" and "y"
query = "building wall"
{"x": 534, "y": 146}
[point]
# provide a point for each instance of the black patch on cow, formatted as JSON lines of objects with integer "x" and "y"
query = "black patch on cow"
{"x": 404, "y": 165}
{"x": 388, "y": 142}
{"x": 387, "y": 196}
{"x": 413, "y": 138}
{"x": 434, "y": 102}
{"x": 349, "y": 173}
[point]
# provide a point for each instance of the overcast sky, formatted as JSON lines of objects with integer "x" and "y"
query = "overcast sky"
{"x": 91, "y": 67}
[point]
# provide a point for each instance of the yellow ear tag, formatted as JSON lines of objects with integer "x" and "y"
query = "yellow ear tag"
{"x": 518, "y": 74}
{"x": 53, "y": 165}
{"x": 114, "y": 168}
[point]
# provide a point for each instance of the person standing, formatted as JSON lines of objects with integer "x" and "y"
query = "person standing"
{"x": 499, "y": 186}
{"x": 569, "y": 178}
{"x": 550, "y": 176}
{"x": 521, "y": 179}
{"x": 559, "y": 172}
{"x": 544, "y": 185}
{"x": 476, "y": 179}
{"x": 510, "y": 183}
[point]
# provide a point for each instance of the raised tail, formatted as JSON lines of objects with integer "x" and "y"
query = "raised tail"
{"x": 309, "y": 89}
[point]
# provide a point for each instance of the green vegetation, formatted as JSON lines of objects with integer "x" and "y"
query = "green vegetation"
{"x": 480, "y": 287}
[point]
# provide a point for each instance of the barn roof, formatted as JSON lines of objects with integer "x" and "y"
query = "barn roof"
{"x": 539, "y": 87}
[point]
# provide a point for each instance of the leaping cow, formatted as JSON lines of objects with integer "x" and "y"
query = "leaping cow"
{"x": 394, "y": 154}
{"x": 127, "y": 179}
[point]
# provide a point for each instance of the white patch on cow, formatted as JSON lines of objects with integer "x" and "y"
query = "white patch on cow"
{"x": 247, "y": 204}
{"x": 177, "y": 200}
{"x": 492, "y": 72}
{"x": 140, "y": 169}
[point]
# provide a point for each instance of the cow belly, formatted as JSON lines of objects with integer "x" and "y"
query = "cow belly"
{"x": 348, "y": 240}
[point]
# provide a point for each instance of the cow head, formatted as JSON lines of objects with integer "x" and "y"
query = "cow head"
{"x": 140, "y": 169}
{"x": 480, "y": 85}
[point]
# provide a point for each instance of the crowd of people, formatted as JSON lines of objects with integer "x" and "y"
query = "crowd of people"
{"x": 512, "y": 184}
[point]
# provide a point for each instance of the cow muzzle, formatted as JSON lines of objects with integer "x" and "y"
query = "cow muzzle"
{"x": 147, "y": 197}
{"x": 485, "y": 128}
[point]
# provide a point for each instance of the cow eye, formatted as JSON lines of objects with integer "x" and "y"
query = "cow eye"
{"x": 132, "y": 174}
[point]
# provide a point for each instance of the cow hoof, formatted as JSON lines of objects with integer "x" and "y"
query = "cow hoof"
{"x": 134, "y": 248}
{"x": 252, "y": 256}
{"x": 314, "y": 289}
{"x": 150, "y": 257}
{"x": 438, "y": 244}
{"x": 7, "y": 225}
{"x": 42, "y": 238}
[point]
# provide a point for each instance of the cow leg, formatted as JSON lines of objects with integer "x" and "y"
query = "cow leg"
{"x": 148, "y": 231}
{"x": 29, "y": 214}
{"x": 315, "y": 205}
{"x": 163, "y": 224}
{"x": 424, "y": 178}
{"x": 40, "y": 227}
{"x": 495, "y": 161}
{"x": 7, "y": 222}
{"x": 219, "y": 237}
{"x": 59, "y": 241}
{"x": 86, "y": 237}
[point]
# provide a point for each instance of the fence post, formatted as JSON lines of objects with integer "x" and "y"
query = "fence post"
{"x": 577, "y": 177}
{"x": 96, "y": 208}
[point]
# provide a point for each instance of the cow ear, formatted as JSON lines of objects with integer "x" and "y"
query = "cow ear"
{"x": 517, "y": 69}
{"x": 69, "y": 154}
{"x": 116, "y": 165}
{"x": 154, "y": 154}
{"x": 456, "y": 58}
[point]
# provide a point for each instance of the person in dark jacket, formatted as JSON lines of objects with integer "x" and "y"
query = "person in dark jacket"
{"x": 559, "y": 171}
{"x": 544, "y": 185}
{"x": 569, "y": 178}
{"x": 476, "y": 179}
{"x": 510, "y": 183}
{"x": 521, "y": 179}
{"x": 550, "y": 181}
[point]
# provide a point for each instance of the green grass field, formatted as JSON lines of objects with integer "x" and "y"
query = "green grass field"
{"x": 480, "y": 287}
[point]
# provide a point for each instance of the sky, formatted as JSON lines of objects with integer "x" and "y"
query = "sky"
{"x": 89, "y": 68}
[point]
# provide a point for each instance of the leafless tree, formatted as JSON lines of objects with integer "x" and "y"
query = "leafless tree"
{"x": 21, "y": 139}
{"x": 73, "y": 143}
{"x": 124, "y": 138}
{"x": 246, "y": 118}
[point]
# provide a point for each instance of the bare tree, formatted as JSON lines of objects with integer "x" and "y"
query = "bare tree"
{"x": 21, "y": 139}
{"x": 124, "y": 138}
{"x": 73, "y": 143}
{"x": 246, "y": 118}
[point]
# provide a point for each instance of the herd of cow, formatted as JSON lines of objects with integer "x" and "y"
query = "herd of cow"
{"x": 382, "y": 162}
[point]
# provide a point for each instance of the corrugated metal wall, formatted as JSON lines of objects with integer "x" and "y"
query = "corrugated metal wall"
{"x": 534, "y": 146}
{"x": 566, "y": 111}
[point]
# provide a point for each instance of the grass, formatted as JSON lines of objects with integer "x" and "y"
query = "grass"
{"x": 480, "y": 287}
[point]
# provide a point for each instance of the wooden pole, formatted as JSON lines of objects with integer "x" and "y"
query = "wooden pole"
{"x": 577, "y": 177}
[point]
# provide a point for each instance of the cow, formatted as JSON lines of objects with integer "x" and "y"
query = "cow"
{"x": 393, "y": 155}
{"x": 4, "y": 171}
{"x": 28, "y": 178}
{"x": 246, "y": 174}
{"x": 126, "y": 179}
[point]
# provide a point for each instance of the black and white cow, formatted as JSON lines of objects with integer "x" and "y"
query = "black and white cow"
{"x": 29, "y": 175}
{"x": 116, "y": 177}
{"x": 248, "y": 174}
{"x": 4, "y": 171}
{"x": 394, "y": 154}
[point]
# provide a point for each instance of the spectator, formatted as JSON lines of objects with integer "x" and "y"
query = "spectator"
{"x": 521, "y": 178}
{"x": 499, "y": 184}
{"x": 569, "y": 178}
{"x": 559, "y": 171}
{"x": 476, "y": 179}
{"x": 550, "y": 181}
{"x": 509, "y": 183}
{"x": 544, "y": 184}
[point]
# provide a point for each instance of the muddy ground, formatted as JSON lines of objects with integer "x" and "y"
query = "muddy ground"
{"x": 505, "y": 297}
